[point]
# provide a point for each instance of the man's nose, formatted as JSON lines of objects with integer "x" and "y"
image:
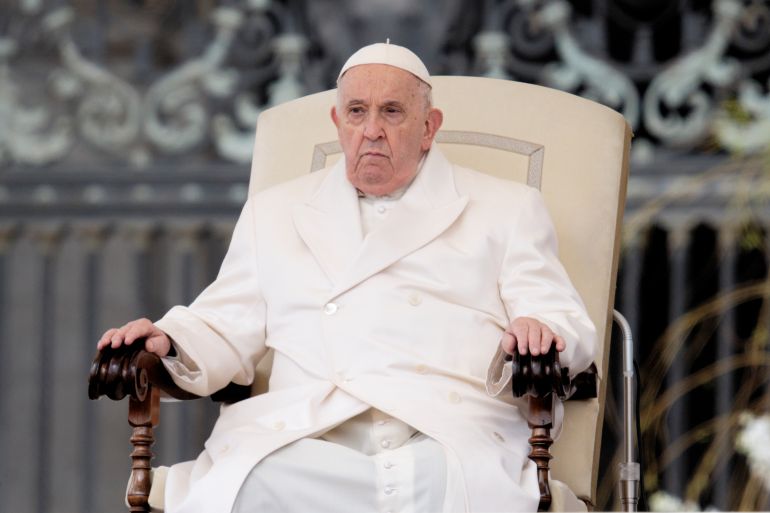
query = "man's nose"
{"x": 373, "y": 127}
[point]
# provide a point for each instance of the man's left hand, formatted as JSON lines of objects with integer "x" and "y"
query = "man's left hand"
{"x": 528, "y": 335}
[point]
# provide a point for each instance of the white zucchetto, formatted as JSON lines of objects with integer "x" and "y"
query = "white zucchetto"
{"x": 390, "y": 54}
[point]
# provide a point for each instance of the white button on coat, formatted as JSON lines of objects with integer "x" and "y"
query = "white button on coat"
{"x": 415, "y": 299}
{"x": 454, "y": 398}
{"x": 330, "y": 308}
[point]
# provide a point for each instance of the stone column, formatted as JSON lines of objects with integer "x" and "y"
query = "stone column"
{"x": 92, "y": 238}
{"x": 47, "y": 239}
{"x": 8, "y": 236}
{"x": 675, "y": 474}
{"x": 728, "y": 239}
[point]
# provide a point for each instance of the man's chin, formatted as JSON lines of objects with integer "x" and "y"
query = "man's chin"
{"x": 372, "y": 179}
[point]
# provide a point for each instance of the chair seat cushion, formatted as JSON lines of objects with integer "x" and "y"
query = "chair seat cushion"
{"x": 562, "y": 498}
{"x": 157, "y": 490}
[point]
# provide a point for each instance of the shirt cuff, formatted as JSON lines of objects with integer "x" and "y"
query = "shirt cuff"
{"x": 499, "y": 373}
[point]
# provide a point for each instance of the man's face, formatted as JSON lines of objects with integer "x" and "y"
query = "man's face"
{"x": 384, "y": 126}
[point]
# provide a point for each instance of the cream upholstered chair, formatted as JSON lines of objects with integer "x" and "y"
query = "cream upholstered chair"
{"x": 574, "y": 150}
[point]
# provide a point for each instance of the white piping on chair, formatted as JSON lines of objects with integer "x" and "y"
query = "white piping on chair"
{"x": 321, "y": 151}
{"x": 534, "y": 151}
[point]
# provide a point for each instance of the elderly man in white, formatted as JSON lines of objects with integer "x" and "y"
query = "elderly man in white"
{"x": 390, "y": 286}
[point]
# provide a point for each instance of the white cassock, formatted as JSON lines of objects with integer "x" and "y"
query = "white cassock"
{"x": 406, "y": 320}
{"x": 371, "y": 463}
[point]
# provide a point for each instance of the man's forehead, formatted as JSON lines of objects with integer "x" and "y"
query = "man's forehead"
{"x": 380, "y": 79}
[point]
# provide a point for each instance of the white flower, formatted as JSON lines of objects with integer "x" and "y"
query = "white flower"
{"x": 663, "y": 501}
{"x": 753, "y": 440}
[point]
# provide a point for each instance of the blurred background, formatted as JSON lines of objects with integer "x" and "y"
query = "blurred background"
{"x": 126, "y": 130}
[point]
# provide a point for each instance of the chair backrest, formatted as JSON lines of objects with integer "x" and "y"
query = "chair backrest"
{"x": 574, "y": 150}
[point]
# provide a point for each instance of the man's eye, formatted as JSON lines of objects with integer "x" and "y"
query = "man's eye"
{"x": 356, "y": 110}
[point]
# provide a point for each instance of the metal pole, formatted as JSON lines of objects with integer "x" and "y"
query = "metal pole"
{"x": 628, "y": 469}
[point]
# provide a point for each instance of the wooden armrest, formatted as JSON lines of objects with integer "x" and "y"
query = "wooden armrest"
{"x": 131, "y": 370}
{"x": 540, "y": 378}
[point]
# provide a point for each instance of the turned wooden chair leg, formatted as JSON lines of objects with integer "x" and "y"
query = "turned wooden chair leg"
{"x": 142, "y": 416}
{"x": 540, "y": 420}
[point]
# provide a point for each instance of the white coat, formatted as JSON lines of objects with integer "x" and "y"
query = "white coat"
{"x": 406, "y": 320}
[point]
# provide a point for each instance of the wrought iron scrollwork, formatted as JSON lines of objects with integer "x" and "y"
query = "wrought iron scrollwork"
{"x": 254, "y": 54}
{"x": 680, "y": 86}
{"x": 669, "y": 99}
{"x": 213, "y": 97}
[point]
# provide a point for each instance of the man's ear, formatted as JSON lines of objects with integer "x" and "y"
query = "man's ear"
{"x": 432, "y": 125}
{"x": 335, "y": 119}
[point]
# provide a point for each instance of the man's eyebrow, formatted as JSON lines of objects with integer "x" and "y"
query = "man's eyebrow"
{"x": 384, "y": 104}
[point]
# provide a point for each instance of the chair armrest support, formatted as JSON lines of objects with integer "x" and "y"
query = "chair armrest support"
{"x": 135, "y": 372}
{"x": 540, "y": 378}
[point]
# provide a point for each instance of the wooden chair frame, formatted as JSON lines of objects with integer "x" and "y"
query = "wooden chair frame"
{"x": 134, "y": 372}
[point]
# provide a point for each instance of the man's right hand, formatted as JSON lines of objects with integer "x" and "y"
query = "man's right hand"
{"x": 157, "y": 341}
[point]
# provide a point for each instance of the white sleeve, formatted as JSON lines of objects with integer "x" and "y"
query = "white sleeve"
{"x": 533, "y": 283}
{"x": 220, "y": 337}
